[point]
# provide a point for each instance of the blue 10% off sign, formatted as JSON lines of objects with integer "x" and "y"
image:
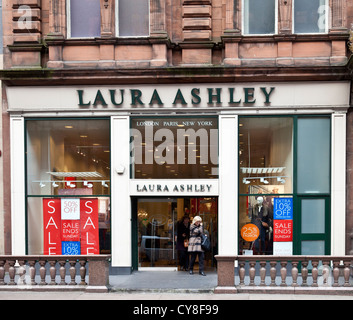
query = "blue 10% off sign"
{"x": 283, "y": 209}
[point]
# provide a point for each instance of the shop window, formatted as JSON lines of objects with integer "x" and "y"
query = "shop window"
{"x": 174, "y": 148}
{"x": 84, "y": 18}
{"x": 310, "y": 16}
{"x": 133, "y": 18}
{"x": 68, "y": 186}
{"x": 259, "y": 16}
{"x": 284, "y": 185}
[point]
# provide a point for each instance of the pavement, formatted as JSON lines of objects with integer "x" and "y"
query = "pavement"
{"x": 159, "y": 287}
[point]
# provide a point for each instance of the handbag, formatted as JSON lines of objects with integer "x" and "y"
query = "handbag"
{"x": 186, "y": 243}
{"x": 205, "y": 243}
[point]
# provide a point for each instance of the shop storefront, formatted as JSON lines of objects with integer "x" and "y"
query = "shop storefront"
{"x": 101, "y": 169}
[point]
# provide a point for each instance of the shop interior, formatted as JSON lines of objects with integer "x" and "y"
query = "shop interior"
{"x": 158, "y": 220}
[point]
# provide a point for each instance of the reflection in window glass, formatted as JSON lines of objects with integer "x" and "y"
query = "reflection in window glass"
{"x": 259, "y": 16}
{"x": 266, "y": 155}
{"x": 85, "y": 18}
{"x": 134, "y": 18}
{"x": 310, "y": 16}
{"x": 174, "y": 148}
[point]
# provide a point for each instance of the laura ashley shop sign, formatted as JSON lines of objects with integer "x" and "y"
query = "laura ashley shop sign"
{"x": 179, "y": 96}
{"x": 177, "y": 187}
{"x": 160, "y": 97}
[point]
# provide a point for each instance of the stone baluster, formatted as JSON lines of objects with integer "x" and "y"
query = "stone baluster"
{"x": 263, "y": 273}
{"x": 315, "y": 272}
{"x": 273, "y": 273}
{"x": 62, "y": 272}
{"x": 21, "y": 272}
{"x": 12, "y": 272}
{"x": 295, "y": 273}
{"x": 336, "y": 273}
{"x": 52, "y": 272}
{"x": 2, "y": 272}
{"x": 242, "y": 273}
{"x": 42, "y": 272}
{"x": 72, "y": 272}
{"x": 252, "y": 272}
{"x": 283, "y": 273}
{"x": 346, "y": 273}
{"x": 83, "y": 273}
{"x": 305, "y": 273}
{"x": 32, "y": 272}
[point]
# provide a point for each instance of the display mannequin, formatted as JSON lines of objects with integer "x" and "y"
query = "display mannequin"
{"x": 259, "y": 217}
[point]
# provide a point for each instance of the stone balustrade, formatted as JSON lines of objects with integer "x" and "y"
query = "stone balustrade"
{"x": 284, "y": 274}
{"x": 86, "y": 273}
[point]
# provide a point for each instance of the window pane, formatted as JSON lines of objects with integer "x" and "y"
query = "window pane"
{"x": 85, "y": 18}
{"x": 174, "y": 148}
{"x": 316, "y": 248}
{"x": 266, "y": 155}
{"x": 314, "y": 155}
{"x": 68, "y": 157}
{"x": 313, "y": 216}
{"x": 259, "y": 16}
{"x": 310, "y": 16}
{"x": 134, "y": 18}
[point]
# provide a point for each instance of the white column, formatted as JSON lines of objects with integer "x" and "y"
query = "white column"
{"x": 338, "y": 191}
{"x": 18, "y": 214}
{"x": 228, "y": 185}
{"x": 120, "y": 193}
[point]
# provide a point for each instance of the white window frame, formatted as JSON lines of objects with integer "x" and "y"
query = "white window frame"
{"x": 327, "y": 18}
{"x": 261, "y": 34}
{"x": 117, "y": 24}
{"x": 68, "y": 22}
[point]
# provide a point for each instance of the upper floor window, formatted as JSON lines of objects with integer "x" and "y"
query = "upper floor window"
{"x": 133, "y": 18}
{"x": 84, "y": 18}
{"x": 310, "y": 16}
{"x": 260, "y": 16}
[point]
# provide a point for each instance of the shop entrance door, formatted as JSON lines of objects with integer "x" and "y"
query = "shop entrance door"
{"x": 155, "y": 229}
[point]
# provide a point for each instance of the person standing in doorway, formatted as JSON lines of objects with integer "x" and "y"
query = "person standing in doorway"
{"x": 196, "y": 230}
{"x": 183, "y": 235}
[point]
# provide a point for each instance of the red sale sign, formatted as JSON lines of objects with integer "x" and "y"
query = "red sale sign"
{"x": 89, "y": 226}
{"x": 70, "y": 222}
{"x": 52, "y": 226}
{"x": 282, "y": 230}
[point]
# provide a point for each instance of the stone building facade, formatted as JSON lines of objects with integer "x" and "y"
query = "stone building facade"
{"x": 240, "y": 66}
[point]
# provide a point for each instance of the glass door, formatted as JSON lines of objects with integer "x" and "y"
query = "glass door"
{"x": 156, "y": 219}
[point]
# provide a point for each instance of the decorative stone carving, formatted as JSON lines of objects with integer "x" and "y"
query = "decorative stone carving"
{"x": 285, "y": 16}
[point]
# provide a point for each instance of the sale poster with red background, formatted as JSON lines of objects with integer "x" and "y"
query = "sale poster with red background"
{"x": 69, "y": 223}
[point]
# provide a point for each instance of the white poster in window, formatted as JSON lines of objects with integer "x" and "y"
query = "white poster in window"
{"x": 283, "y": 248}
{"x": 70, "y": 209}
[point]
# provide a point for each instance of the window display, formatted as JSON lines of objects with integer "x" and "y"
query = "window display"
{"x": 68, "y": 186}
{"x": 284, "y": 185}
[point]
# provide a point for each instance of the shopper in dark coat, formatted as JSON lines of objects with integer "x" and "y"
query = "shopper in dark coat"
{"x": 183, "y": 235}
{"x": 196, "y": 230}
